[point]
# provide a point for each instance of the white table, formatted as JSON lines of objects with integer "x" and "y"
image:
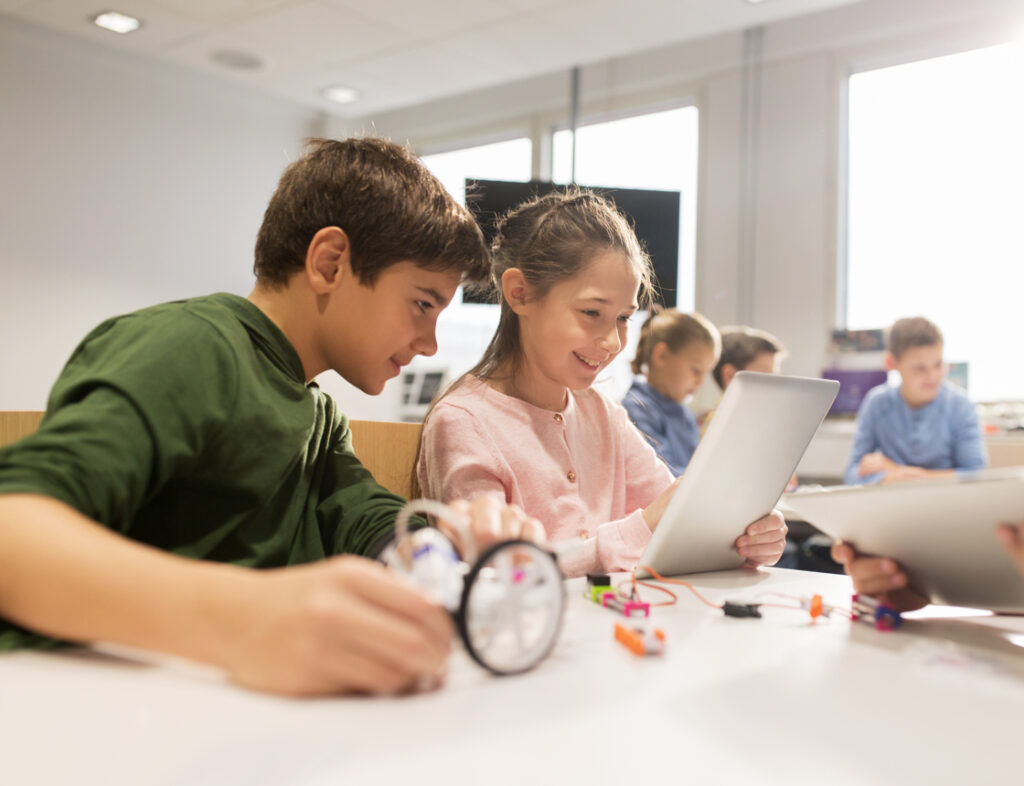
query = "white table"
{"x": 775, "y": 700}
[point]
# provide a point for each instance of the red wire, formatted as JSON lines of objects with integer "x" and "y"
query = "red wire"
{"x": 661, "y": 578}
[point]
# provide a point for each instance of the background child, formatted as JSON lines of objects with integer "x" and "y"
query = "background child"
{"x": 744, "y": 349}
{"x": 189, "y": 435}
{"x": 675, "y": 353}
{"x": 925, "y": 426}
{"x": 525, "y": 422}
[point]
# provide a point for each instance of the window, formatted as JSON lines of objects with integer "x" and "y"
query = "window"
{"x": 656, "y": 151}
{"x": 936, "y": 199}
{"x": 509, "y": 160}
{"x": 464, "y": 331}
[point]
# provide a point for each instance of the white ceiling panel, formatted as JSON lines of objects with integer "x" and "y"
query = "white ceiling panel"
{"x": 434, "y": 18}
{"x": 159, "y": 29}
{"x": 216, "y": 10}
{"x": 400, "y": 52}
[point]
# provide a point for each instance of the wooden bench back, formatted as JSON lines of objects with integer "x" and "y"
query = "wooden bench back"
{"x": 388, "y": 450}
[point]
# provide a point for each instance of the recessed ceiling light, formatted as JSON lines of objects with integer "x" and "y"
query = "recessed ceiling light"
{"x": 116, "y": 22}
{"x": 340, "y": 94}
{"x": 233, "y": 58}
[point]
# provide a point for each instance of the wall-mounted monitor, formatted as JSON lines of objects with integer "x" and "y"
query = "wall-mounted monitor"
{"x": 653, "y": 214}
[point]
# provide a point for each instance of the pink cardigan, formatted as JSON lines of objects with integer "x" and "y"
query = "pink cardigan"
{"x": 585, "y": 472}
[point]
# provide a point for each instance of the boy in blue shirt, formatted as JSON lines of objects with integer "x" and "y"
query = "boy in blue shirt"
{"x": 925, "y": 426}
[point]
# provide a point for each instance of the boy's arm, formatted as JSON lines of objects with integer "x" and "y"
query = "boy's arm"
{"x": 969, "y": 448}
{"x": 863, "y": 444}
{"x": 336, "y": 626}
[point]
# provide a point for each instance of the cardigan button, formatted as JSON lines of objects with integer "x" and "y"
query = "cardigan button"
{"x": 583, "y": 534}
{"x": 571, "y": 476}
{"x": 558, "y": 417}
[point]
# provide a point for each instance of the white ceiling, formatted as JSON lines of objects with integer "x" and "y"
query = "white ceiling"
{"x": 401, "y": 52}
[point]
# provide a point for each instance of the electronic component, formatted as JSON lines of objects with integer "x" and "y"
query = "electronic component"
{"x": 507, "y": 604}
{"x": 639, "y": 640}
{"x": 868, "y": 609}
{"x": 627, "y": 608}
{"x": 731, "y": 609}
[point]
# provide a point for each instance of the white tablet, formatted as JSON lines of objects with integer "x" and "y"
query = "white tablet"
{"x": 942, "y": 530}
{"x": 738, "y": 472}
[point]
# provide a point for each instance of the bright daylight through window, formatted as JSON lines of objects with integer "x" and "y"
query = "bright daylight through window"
{"x": 936, "y": 200}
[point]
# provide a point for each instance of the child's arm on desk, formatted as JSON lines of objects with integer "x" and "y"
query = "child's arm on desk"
{"x": 337, "y": 626}
{"x": 893, "y": 472}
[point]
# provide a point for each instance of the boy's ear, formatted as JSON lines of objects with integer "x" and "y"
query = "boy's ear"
{"x": 328, "y": 259}
{"x": 515, "y": 289}
{"x": 890, "y": 361}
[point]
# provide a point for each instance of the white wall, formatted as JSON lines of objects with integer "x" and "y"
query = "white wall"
{"x": 125, "y": 182}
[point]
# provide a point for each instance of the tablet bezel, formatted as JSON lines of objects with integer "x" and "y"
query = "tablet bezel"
{"x": 739, "y": 471}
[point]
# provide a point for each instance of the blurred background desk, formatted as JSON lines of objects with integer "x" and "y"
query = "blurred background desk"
{"x": 774, "y": 701}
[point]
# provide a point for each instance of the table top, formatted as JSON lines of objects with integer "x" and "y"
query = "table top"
{"x": 775, "y": 700}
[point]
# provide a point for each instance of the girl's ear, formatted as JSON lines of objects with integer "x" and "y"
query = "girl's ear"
{"x": 515, "y": 289}
{"x": 659, "y": 354}
{"x": 328, "y": 260}
{"x": 890, "y": 361}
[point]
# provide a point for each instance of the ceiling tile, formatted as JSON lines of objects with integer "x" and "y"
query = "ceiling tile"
{"x": 429, "y": 19}
{"x": 218, "y": 10}
{"x": 160, "y": 27}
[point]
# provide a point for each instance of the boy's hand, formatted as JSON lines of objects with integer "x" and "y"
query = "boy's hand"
{"x": 879, "y": 577}
{"x": 900, "y": 473}
{"x": 764, "y": 540}
{"x": 492, "y": 521}
{"x": 871, "y": 463}
{"x": 344, "y": 625}
{"x": 1012, "y": 537}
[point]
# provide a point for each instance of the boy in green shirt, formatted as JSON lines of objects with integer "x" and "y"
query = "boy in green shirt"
{"x": 184, "y": 444}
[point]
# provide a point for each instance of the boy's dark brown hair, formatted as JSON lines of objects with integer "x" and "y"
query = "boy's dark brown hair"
{"x": 741, "y": 344}
{"x": 678, "y": 330}
{"x": 386, "y": 201}
{"x": 912, "y": 332}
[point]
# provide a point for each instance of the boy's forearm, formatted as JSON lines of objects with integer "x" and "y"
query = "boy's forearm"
{"x": 66, "y": 576}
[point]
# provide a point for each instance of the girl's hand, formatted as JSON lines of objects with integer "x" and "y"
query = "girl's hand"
{"x": 492, "y": 521}
{"x": 764, "y": 540}
{"x": 654, "y": 511}
{"x": 879, "y": 577}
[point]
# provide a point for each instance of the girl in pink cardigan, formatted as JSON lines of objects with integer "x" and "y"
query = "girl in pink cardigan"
{"x": 525, "y": 422}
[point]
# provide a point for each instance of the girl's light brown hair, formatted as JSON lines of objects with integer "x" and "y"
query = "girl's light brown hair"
{"x": 552, "y": 238}
{"x": 677, "y": 330}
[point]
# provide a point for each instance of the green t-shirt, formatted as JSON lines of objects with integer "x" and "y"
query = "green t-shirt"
{"x": 189, "y": 426}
